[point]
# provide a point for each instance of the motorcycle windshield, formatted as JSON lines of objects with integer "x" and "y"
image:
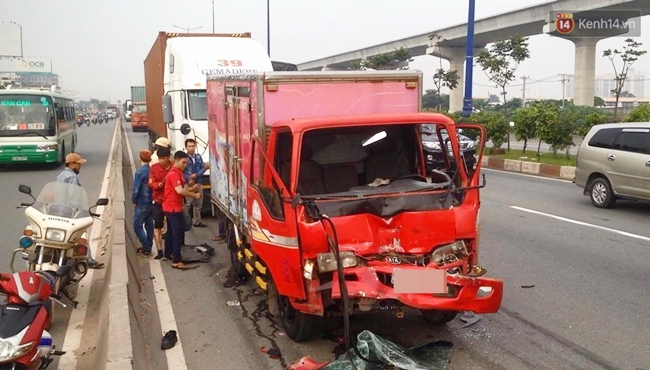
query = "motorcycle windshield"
{"x": 61, "y": 199}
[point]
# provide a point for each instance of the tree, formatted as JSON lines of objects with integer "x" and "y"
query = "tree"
{"x": 495, "y": 124}
{"x": 501, "y": 61}
{"x": 599, "y": 102}
{"x": 397, "y": 59}
{"x": 586, "y": 118}
{"x": 555, "y": 127}
{"x": 638, "y": 114}
{"x": 628, "y": 55}
{"x": 525, "y": 124}
{"x": 432, "y": 100}
{"x": 442, "y": 77}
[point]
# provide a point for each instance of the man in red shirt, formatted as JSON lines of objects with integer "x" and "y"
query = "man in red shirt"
{"x": 173, "y": 207}
{"x": 157, "y": 174}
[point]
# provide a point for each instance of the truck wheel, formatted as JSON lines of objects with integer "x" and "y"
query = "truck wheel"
{"x": 298, "y": 326}
{"x": 438, "y": 317}
{"x": 236, "y": 266}
{"x": 600, "y": 192}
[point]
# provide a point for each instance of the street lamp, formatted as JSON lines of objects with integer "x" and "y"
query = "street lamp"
{"x": 188, "y": 29}
{"x": 268, "y": 27}
{"x": 469, "y": 61}
{"x": 512, "y": 124}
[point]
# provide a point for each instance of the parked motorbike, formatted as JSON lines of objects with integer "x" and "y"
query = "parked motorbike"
{"x": 25, "y": 317}
{"x": 55, "y": 241}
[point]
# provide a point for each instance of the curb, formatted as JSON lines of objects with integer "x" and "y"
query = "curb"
{"x": 530, "y": 168}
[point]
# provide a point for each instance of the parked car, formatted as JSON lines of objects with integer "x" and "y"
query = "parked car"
{"x": 613, "y": 162}
{"x": 433, "y": 151}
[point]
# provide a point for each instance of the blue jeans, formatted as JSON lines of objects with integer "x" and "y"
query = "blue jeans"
{"x": 143, "y": 225}
{"x": 174, "y": 236}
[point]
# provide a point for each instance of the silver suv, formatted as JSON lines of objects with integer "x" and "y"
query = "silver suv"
{"x": 614, "y": 162}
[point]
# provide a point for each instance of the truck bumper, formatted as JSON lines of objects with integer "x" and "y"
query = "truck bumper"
{"x": 477, "y": 294}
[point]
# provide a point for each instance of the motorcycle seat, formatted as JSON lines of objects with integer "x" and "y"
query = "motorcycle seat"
{"x": 15, "y": 318}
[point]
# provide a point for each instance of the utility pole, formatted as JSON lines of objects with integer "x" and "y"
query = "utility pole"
{"x": 212, "y": 16}
{"x": 563, "y": 80}
{"x": 469, "y": 61}
{"x": 523, "y": 91}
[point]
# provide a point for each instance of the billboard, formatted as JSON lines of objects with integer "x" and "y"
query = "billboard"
{"x": 26, "y": 65}
{"x": 11, "y": 40}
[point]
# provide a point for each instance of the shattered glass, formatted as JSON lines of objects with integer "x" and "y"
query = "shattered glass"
{"x": 429, "y": 356}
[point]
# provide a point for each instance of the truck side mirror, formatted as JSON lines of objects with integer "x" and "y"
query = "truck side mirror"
{"x": 168, "y": 116}
{"x": 185, "y": 129}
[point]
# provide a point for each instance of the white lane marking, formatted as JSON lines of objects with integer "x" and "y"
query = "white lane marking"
{"x": 75, "y": 328}
{"x": 175, "y": 355}
{"x": 619, "y": 232}
{"x": 526, "y": 175}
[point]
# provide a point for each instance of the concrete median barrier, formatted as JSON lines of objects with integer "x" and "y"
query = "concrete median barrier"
{"x": 530, "y": 168}
{"x": 118, "y": 333}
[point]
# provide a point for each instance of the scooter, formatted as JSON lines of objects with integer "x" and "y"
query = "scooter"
{"x": 25, "y": 317}
{"x": 55, "y": 241}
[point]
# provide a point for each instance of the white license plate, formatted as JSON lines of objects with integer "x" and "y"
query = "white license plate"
{"x": 419, "y": 281}
{"x": 18, "y": 158}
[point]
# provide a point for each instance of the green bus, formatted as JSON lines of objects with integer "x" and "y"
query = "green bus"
{"x": 36, "y": 126}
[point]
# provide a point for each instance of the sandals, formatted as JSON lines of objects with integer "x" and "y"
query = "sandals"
{"x": 95, "y": 265}
{"x": 219, "y": 238}
{"x": 180, "y": 266}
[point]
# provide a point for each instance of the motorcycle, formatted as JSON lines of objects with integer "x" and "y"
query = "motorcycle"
{"x": 25, "y": 317}
{"x": 55, "y": 241}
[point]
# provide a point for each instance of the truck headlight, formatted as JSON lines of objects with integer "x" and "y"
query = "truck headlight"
{"x": 55, "y": 235}
{"x": 327, "y": 261}
{"x": 449, "y": 252}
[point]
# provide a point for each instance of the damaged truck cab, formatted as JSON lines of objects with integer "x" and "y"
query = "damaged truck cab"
{"x": 322, "y": 175}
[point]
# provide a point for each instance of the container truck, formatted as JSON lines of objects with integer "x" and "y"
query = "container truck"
{"x": 139, "y": 111}
{"x": 175, "y": 72}
{"x": 331, "y": 211}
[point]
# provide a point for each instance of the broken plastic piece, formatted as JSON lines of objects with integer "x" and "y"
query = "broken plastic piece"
{"x": 233, "y": 303}
{"x": 379, "y": 182}
{"x": 528, "y": 286}
{"x": 273, "y": 353}
{"x": 469, "y": 318}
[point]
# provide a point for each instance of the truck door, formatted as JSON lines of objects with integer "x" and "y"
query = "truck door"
{"x": 272, "y": 219}
{"x": 238, "y": 131}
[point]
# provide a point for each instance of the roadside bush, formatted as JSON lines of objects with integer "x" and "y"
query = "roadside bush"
{"x": 638, "y": 114}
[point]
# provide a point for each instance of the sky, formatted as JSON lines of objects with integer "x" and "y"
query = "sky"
{"x": 98, "y": 47}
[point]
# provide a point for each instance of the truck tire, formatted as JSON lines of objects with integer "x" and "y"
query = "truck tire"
{"x": 236, "y": 266}
{"x": 299, "y": 326}
{"x": 438, "y": 317}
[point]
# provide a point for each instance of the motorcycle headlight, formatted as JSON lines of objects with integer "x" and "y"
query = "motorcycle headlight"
{"x": 9, "y": 351}
{"x": 26, "y": 242}
{"x": 55, "y": 235}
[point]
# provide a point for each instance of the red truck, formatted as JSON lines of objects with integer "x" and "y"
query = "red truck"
{"x": 322, "y": 177}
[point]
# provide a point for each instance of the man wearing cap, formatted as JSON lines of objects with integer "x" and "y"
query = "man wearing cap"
{"x": 157, "y": 174}
{"x": 161, "y": 142}
{"x": 73, "y": 162}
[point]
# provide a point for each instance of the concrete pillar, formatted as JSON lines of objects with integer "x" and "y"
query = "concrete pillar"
{"x": 585, "y": 70}
{"x": 456, "y": 57}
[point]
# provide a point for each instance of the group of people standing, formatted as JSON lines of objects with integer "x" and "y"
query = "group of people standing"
{"x": 160, "y": 187}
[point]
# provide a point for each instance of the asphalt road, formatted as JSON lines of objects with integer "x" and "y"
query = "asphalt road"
{"x": 576, "y": 281}
{"x": 93, "y": 144}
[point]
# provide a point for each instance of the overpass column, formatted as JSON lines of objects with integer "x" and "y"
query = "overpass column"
{"x": 585, "y": 70}
{"x": 456, "y": 57}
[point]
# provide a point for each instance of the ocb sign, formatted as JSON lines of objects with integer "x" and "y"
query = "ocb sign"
{"x": 26, "y": 65}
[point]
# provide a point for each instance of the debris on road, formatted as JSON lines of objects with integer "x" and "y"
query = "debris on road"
{"x": 233, "y": 303}
{"x": 169, "y": 340}
{"x": 469, "y": 318}
{"x": 528, "y": 286}
{"x": 273, "y": 353}
{"x": 429, "y": 356}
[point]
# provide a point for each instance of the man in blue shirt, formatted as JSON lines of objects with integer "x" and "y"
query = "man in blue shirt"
{"x": 193, "y": 173}
{"x": 73, "y": 162}
{"x": 143, "y": 203}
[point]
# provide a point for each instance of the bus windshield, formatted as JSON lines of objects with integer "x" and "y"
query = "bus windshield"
{"x": 22, "y": 114}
